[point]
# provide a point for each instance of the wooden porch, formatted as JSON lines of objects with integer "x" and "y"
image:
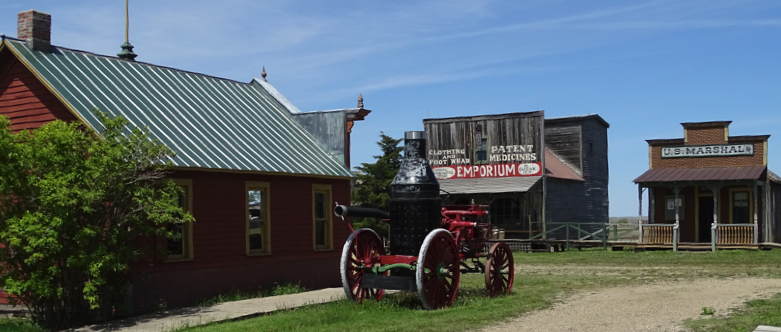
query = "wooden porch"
{"x": 719, "y": 214}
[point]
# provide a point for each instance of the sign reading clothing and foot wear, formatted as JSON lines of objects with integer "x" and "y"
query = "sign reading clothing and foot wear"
{"x": 708, "y": 151}
{"x": 487, "y": 146}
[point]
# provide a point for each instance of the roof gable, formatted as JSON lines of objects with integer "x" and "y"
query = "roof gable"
{"x": 208, "y": 122}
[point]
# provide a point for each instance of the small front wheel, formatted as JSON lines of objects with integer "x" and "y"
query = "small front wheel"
{"x": 360, "y": 253}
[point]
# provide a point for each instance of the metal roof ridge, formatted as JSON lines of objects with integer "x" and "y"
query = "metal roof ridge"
{"x": 277, "y": 95}
{"x": 55, "y": 47}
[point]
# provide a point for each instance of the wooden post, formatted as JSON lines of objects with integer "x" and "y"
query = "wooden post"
{"x": 766, "y": 216}
{"x": 715, "y": 224}
{"x": 640, "y": 208}
{"x": 677, "y": 219}
{"x": 544, "y": 209}
{"x": 651, "y": 205}
{"x": 756, "y": 213}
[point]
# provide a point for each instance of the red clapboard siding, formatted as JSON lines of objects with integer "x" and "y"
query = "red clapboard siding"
{"x": 220, "y": 264}
{"x": 23, "y": 99}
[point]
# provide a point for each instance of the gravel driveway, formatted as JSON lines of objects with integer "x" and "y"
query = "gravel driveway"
{"x": 651, "y": 307}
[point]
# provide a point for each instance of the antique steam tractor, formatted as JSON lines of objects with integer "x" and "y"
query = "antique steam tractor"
{"x": 430, "y": 244}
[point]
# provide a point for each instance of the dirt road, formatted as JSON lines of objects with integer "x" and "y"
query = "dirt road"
{"x": 651, "y": 307}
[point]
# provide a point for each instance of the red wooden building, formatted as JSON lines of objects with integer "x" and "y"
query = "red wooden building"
{"x": 259, "y": 175}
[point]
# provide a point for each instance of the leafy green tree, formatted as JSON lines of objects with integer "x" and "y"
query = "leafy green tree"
{"x": 373, "y": 180}
{"x": 75, "y": 208}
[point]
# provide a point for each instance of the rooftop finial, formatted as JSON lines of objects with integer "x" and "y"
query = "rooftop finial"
{"x": 263, "y": 74}
{"x": 127, "y": 47}
{"x": 360, "y": 101}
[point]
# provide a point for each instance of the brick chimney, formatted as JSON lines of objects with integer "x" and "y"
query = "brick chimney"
{"x": 35, "y": 27}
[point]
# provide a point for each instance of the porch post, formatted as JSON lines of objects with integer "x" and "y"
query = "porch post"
{"x": 766, "y": 216}
{"x": 714, "y": 226}
{"x": 651, "y": 205}
{"x": 756, "y": 213}
{"x": 677, "y": 219}
{"x": 640, "y": 213}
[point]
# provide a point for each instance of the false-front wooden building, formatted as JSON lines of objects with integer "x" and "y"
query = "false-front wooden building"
{"x": 535, "y": 173}
{"x": 260, "y": 177}
{"x": 708, "y": 184}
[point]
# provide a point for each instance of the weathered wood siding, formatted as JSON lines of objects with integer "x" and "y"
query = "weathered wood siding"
{"x": 495, "y": 130}
{"x": 583, "y": 143}
{"x": 565, "y": 140}
{"x": 776, "y": 212}
{"x": 328, "y": 128}
{"x": 23, "y": 99}
{"x": 220, "y": 264}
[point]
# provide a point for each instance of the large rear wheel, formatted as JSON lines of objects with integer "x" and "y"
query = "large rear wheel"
{"x": 499, "y": 270}
{"x": 438, "y": 272}
{"x": 360, "y": 253}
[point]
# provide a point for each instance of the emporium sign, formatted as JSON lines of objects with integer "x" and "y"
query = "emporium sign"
{"x": 708, "y": 151}
{"x": 488, "y": 170}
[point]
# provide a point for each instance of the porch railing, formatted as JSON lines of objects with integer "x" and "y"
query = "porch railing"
{"x": 733, "y": 234}
{"x": 657, "y": 233}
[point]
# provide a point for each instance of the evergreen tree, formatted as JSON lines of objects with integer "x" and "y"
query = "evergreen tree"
{"x": 373, "y": 180}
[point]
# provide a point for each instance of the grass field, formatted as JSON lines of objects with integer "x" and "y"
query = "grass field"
{"x": 542, "y": 280}
{"x": 753, "y": 313}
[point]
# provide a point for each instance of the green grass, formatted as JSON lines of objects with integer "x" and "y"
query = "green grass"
{"x": 18, "y": 325}
{"x": 281, "y": 289}
{"x": 753, "y": 313}
{"x": 542, "y": 280}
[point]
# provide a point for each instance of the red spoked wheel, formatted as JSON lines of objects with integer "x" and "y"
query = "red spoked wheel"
{"x": 438, "y": 272}
{"x": 360, "y": 253}
{"x": 499, "y": 270}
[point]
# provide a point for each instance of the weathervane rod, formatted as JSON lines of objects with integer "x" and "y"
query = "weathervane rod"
{"x": 127, "y": 48}
{"x": 127, "y": 22}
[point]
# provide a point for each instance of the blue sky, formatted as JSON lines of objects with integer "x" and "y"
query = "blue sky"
{"x": 643, "y": 66}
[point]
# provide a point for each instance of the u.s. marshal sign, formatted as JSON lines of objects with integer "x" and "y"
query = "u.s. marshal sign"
{"x": 708, "y": 151}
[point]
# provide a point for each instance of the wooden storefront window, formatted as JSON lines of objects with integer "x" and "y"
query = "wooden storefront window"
{"x": 740, "y": 206}
{"x": 322, "y": 227}
{"x": 179, "y": 243}
{"x": 669, "y": 208}
{"x": 258, "y": 221}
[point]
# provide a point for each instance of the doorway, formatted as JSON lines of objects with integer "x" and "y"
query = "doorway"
{"x": 705, "y": 218}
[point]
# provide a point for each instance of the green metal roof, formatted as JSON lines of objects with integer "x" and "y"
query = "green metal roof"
{"x": 209, "y": 122}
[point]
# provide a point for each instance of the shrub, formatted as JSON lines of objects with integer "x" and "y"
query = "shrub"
{"x": 73, "y": 207}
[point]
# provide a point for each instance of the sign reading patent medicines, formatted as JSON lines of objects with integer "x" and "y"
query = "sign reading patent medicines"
{"x": 489, "y": 146}
{"x": 708, "y": 151}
